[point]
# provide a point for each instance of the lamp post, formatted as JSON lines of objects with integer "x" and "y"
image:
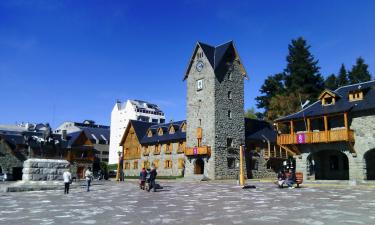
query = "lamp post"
{"x": 119, "y": 167}
{"x": 242, "y": 177}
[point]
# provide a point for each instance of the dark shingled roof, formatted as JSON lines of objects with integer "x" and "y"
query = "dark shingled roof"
{"x": 140, "y": 127}
{"x": 166, "y": 137}
{"x": 215, "y": 54}
{"x": 259, "y": 130}
{"x": 342, "y": 104}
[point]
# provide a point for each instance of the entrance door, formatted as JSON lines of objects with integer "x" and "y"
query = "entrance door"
{"x": 17, "y": 173}
{"x": 199, "y": 166}
{"x": 330, "y": 165}
{"x": 370, "y": 164}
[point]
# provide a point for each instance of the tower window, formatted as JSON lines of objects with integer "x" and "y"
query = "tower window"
{"x": 229, "y": 114}
{"x": 230, "y": 76}
{"x": 229, "y": 95}
{"x": 199, "y": 84}
{"x": 229, "y": 142}
{"x": 231, "y": 163}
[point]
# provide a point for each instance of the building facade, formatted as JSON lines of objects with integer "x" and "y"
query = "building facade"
{"x": 120, "y": 116}
{"x": 333, "y": 138}
{"x": 215, "y": 111}
{"x": 160, "y": 145}
{"x": 99, "y": 136}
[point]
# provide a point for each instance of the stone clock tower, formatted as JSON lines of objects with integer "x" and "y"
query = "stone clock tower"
{"x": 215, "y": 111}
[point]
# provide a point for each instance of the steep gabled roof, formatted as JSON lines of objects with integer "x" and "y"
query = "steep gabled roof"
{"x": 342, "y": 104}
{"x": 166, "y": 137}
{"x": 259, "y": 130}
{"x": 215, "y": 55}
{"x": 140, "y": 128}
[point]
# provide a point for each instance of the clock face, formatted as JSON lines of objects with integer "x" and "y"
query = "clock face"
{"x": 199, "y": 66}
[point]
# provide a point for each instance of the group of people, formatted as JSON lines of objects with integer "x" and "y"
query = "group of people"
{"x": 147, "y": 179}
{"x": 286, "y": 177}
{"x": 67, "y": 176}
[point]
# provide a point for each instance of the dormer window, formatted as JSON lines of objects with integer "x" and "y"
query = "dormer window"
{"x": 171, "y": 130}
{"x": 183, "y": 127}
{"x": 149, "y": 133}
{"x": 355, "y": 95}
{"x": 160, "y": 131}
{"x": 328, "y": 97}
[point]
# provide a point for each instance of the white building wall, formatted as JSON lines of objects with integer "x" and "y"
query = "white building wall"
{"x": 120, "y": 116}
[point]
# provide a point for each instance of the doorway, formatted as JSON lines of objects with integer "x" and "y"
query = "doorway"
{"x": 199, "y": 166}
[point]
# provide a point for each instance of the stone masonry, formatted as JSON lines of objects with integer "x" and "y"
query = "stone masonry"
{"x": 218, "y": 108}
{"x": 44, "y": 169}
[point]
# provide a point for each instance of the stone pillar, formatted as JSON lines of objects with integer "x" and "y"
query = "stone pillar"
{"x": 357, "y": 167}
{"x": 301, "y": 164}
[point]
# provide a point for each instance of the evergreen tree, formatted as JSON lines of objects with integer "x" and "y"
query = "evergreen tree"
{"x": 331, "y": 82}
{"x": 302, "y": 71}
{"x": 272, "y": 86}
{"x": 359, "y": 72}
{"x": 342, "y": 78}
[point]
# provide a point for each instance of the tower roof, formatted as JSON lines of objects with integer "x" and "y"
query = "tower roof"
{"x": 215, "y": 55}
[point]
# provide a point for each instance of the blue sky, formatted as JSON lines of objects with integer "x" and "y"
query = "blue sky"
{"x": 70, "y": 60}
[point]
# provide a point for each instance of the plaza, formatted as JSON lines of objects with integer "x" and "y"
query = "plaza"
{"x": 183, "y": 202}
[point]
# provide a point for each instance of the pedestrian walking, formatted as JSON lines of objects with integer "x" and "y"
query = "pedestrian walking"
{"x": 153, "y": 175}
{"x": 67, "y": 176}
{"x": 88, "y": 176}
{"x": 142, "y": 178}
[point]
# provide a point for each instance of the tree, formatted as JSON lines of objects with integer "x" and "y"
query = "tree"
{"x": 272, "y": 86}
{"x": 331, "y": 82}
{"x": 251, "y": 113}
{"x": 359, "y": 72}
{"x": 342, "y": 78}
{"x": 302, "y": 72}
{"x": 282, "y": 105}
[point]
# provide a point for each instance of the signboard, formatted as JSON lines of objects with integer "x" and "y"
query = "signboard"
{"x": 195, "y": 151}
{"x": 301, "y": 138}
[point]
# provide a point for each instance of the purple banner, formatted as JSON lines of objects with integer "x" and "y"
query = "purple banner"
{"x": 195, "y": 151}
{"x": 301, "y": 138}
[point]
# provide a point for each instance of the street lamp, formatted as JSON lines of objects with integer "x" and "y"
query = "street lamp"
{"x": 119, "y": 174}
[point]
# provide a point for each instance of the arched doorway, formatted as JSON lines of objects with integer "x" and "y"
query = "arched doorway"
{"x": 370, "y": 164}
{"x": 328, "y": 165}
{"x": 199, "y": 166}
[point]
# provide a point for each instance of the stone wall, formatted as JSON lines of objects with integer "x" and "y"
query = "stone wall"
{"x": 208, "y": 108}
{"x": 10, "y": 158}
{"x": 44, "y": 169}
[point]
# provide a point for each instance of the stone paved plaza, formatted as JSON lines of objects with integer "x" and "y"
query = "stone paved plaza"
{"x": 191, "y": 203}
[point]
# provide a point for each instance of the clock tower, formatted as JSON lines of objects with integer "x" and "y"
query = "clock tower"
{"x": 215, "y": 111}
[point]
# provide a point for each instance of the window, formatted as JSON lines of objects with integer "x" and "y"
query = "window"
{"x": 154, "y": 120}
{"x": 229, "y": 142}
{"x": 199, "y": 84}
{"x": 156, "y": 163}
{"x": 135, "y": 164}
{"x": 181, "y": 163}
{"x": 229, "y": 114}
{"x": 127, "y": 165}
{"x": 157, "y": 149}
{"x": 168, "y": 164}
{"x": 230, "y": 76}
{"x": 229, "y": 95}
{"x": 162, "y": 120}
{"x": 160, "y": 131}
{"x": 146, "y": 150}
{"x": 183, "y": 127}
{"x": 171, "y": 130}
{"x": 149, "y": 133}
{"x": 168, "y": 148}
{"x": 254, "y": 164}
{"x": 145, "y": 164}
{"x": 181, "y": 147}
{"x": 355, "y": 95}
{"x": 231, "y": 163}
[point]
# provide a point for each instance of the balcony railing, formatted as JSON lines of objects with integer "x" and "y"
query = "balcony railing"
{"x": 316, "y": 137}
{"x": 204, "y": 150}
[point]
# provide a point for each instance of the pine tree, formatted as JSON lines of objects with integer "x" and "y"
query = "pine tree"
{"x": 342, "y": 78}
{"x": 272, "y": 86}
{"x": 331, "y": 82}
{"x": 302, "y": 71}
{"x": 359, "y": 72}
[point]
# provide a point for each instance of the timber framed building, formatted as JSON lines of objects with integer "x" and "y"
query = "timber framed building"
{"x": 334, "y": 137}
{"x": 162, "y": 145}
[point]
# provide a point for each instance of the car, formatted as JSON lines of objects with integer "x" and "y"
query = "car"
{"x": 3, "y": 177}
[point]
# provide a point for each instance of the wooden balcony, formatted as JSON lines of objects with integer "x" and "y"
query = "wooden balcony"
{"x": 316, "y": 137}
{"x": 204, "y": 150}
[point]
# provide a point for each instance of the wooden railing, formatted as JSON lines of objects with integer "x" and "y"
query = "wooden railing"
{"x": 204, "y": 150}
{"x": 316, "y": 137}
